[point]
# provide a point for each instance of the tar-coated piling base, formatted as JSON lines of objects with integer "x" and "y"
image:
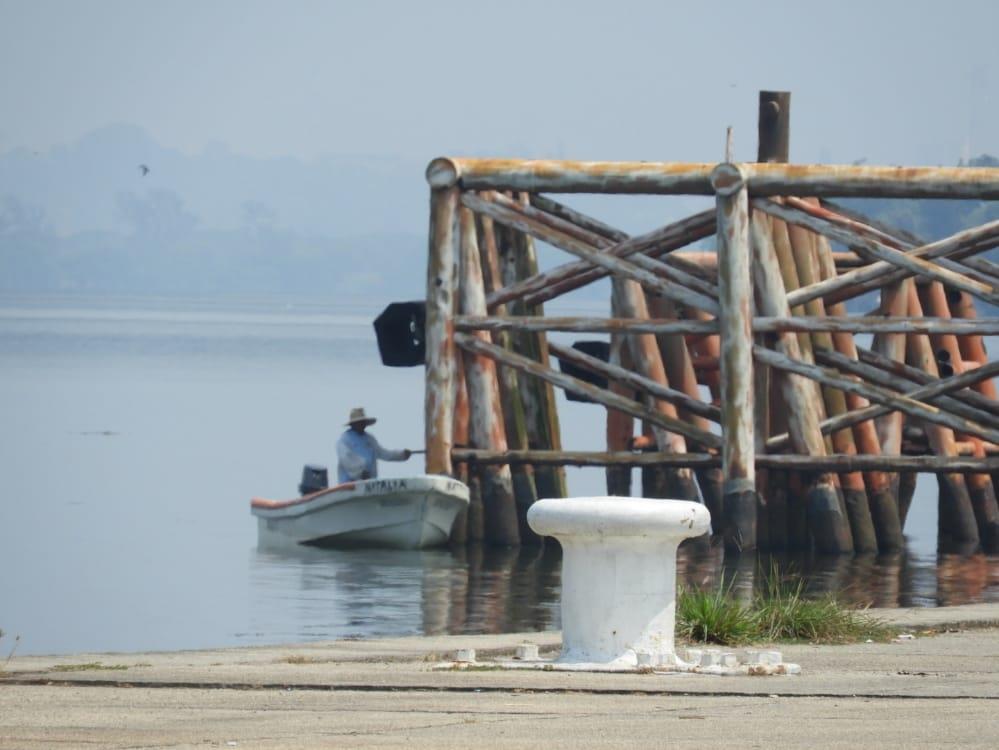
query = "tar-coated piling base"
{"x": 861, "y": 525}
{"x": 826, "y": 520}
{"x": 739, "y": 523}
{"x": 887, "y": 520}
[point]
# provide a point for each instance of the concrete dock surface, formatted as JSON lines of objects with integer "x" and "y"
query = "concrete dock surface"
{"x": 940, "y": 688}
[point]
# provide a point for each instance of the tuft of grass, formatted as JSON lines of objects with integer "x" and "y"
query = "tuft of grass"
{"x": 779, "y": 612}
{"x": 784, "y": 613}
{"x": 713, "y": 617}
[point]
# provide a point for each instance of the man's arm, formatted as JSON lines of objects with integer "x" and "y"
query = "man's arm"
{"x": 387, "y": 454}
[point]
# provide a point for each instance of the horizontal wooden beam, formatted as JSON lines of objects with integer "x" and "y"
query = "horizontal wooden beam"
{"x": 681, "y": 178}
{"x": 600, "y": 395}
{"x": 830, "y": 324}
{"x": 839, "y": 463}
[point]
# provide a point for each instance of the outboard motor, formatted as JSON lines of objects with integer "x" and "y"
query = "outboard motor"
{"x": 314, "y": 478}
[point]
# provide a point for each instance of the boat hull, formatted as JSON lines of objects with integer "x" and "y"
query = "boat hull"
{"x": 410, "y": 513}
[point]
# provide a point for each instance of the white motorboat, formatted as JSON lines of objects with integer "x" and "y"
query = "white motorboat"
{"x": 405, "y": 513}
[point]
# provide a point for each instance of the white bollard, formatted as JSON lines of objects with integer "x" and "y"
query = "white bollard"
{"x": 618, "y": 573}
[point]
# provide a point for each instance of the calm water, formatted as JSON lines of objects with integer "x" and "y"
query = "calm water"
{"x": 135, "y": 432}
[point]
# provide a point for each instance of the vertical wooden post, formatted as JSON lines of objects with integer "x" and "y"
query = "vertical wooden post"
{"x": 485, "y": 424}
{"x": 735, "y": 298}
{"x": 774, "y": 127}
{"x": 439, "y": 331}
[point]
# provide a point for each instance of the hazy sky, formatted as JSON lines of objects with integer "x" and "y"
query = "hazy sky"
{"x": 892, "y": 82}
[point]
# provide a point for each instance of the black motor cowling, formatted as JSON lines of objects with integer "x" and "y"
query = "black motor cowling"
{"x": 314, "y": 478}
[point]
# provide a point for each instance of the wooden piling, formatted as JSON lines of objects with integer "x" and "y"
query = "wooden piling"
{"x": 736, "y": 295}
{"x": 983, "y": 498}
{"x": 439, "y": 330}
{"x": 826, "y": 514}
{"x": 957, "y": 526}
{"x": 648, "y": 362}
{"x": 485, "y": 427}
{"x": 620, "y": 425}
{"x": 514, "y": 422}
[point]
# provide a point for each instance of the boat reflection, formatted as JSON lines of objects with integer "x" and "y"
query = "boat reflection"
{"x": 306, "y": 594}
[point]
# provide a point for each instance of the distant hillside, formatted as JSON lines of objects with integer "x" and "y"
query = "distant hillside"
{"x": 88, "y": 217}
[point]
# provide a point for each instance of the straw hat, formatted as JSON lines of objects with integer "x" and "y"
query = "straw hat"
{"x": 357, "y": 415}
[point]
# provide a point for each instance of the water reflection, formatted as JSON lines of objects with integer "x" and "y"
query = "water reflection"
{"x": 307, "y": 593}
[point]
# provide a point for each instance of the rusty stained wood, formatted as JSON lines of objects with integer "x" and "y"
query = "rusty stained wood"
{"x": 909, "y": 263}
{"x": 638, "y": 382}
{"x": 637, "y": 267}
{"x": 979, "y": 269}
{"x": 680, "y": 178}
{"x": 922, "y": 393}
{"x": 901, "y": 401}
{"x": 601, "y": 396}
{"x": 439, "y": 332}
{"x": 879, "y": 274}
{"x": 972, "y": 398}
{"x": 983, "y": 497}
{"x": 620, "y": 427}
{"x": 956, "y": 517}
{"x": 790, "y": 462}
{"x": 485, "y": 425}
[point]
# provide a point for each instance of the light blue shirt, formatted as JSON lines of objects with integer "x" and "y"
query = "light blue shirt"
{"x": 358, "y": 452}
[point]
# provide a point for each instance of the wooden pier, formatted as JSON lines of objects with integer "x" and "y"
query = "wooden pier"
{"x": 734, "y": 376}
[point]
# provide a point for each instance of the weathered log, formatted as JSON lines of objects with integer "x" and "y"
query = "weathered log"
{"x": 983, "y": 497}
{"x": 636, "y": 267}
{"x": 646, "y": 358}
{"x": 956, "y": 523}
{"x": 708, "y": 260}
{"x": 549, "y": 205}
{"x": 439, "y": 337}
{"x": 784, "y": 461}
{"x": 514, "y": 422}
{"x": 463, "y": 531}
{"x": 736, "y": 298}
{"x": 518, "y": 260}
{"x": 485, "y": 426}
{"x": 634, "y": 381}
{"x": 825, "y": 510}
{"x": 679, "y": 178}
{"x": 680, "y": 373}
{"x": 889, "y": 378}
{"x": 878, "y": 395}
{"x": 923, "y": 393}
{"x": 881, "y": 498}
{"x": 569, "y": 383}
{"x": 908, "y": 263}
{"x": 858, "y": 509}
{"x": 760, "y": 324}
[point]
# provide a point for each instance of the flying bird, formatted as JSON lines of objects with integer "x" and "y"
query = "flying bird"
{"x": 143, "y": 169}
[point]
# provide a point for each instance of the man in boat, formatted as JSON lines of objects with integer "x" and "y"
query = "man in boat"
{"x": 358, "y": 452}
